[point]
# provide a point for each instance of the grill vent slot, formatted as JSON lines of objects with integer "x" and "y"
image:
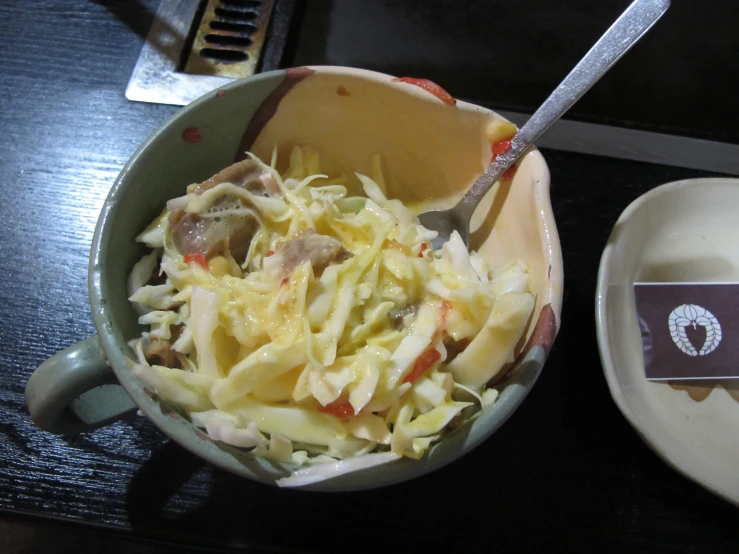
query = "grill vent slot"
{"x": 230, "y": 37}
{"x": 241, "y": 4}
{"x": 228, "y": 40}
{"x": 224, "y": 56}
{"x": 231, "y": 27}
{"x": 238, "y": 15}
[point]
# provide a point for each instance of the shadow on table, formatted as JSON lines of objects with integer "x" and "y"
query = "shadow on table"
{"x": 133, "y": 13}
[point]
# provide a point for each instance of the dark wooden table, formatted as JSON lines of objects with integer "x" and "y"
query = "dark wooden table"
{"x": 567, "y": 471}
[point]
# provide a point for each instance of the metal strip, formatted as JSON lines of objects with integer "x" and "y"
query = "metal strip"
{"x": 640, "y": 146}
{"x": 155, "y": 78}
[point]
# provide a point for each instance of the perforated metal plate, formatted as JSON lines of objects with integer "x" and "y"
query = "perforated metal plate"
{"x": 229, "y": 38}
{"x": 195, "y": 46}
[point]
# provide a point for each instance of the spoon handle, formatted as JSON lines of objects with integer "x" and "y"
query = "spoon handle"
{"x": 617, "y": 40}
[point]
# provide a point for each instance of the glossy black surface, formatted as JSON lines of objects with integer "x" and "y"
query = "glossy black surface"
{"x": 566, "y": 471}
{"x": 680, "y": 78}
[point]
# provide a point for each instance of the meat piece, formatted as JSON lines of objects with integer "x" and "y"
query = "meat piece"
{"x": 455, "y": 348}
{"x": 159, "y": 352}
{"x": 306, "y": 245}
{"x": 245, "y": 174}
{"x": 240, "y": 239}
{"x": 210, "y": 236}
{"x": 396, "y": 315}
{"x": 227, "y": 234}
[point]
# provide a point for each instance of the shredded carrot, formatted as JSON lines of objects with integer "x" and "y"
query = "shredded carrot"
{"x": 339, "y": 408}
{"x": 427, "y": 359}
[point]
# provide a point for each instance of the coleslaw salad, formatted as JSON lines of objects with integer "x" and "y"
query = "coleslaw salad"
{"x": 317, "y": 328}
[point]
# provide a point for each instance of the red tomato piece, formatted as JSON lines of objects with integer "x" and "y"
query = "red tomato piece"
{"x": 427, "y": 359}
{"x": 339, "y": 408}
{"x": 197, "y": 257}
{"x": 501, "y": 146}
{"x": 429, "y": 86}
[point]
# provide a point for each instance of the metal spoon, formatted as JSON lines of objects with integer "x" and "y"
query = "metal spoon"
{"x": 622, "y": 35}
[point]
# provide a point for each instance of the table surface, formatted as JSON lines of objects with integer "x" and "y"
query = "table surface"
{"x": 566, "y": 471}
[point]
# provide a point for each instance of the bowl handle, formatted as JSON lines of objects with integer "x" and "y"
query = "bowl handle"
{"x": 76, "y": 391}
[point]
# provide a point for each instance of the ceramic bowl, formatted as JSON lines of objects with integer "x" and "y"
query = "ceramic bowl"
{"x": 679, "y": 232}
{"x": 432, "y": 151}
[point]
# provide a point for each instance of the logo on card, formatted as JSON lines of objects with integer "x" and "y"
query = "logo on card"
{"x": 688, "y": 316}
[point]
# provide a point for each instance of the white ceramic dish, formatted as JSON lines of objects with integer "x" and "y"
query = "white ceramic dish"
{"x": 678, "y": 232}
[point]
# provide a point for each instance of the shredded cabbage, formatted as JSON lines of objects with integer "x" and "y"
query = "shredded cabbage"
{"x": 334, "y": 468}
{"x": 327, "y": 343}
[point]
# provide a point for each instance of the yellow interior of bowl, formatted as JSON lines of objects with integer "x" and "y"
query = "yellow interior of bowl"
{"x": 429, "y": 149}
{"x": 432, "y": 152}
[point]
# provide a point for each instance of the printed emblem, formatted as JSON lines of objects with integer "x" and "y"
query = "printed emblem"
{"x": 692, "y": 315}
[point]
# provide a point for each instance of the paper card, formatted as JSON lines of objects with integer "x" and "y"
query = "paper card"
{"x": 689, "y": 330}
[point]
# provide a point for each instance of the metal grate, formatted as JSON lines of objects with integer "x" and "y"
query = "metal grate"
{"x": 195, "y": 46}
{"x": 229, "y": 38}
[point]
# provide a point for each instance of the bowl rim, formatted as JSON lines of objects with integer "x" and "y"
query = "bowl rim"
{"x": 456, "y": 444}
{"x": 605, "y": 347}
